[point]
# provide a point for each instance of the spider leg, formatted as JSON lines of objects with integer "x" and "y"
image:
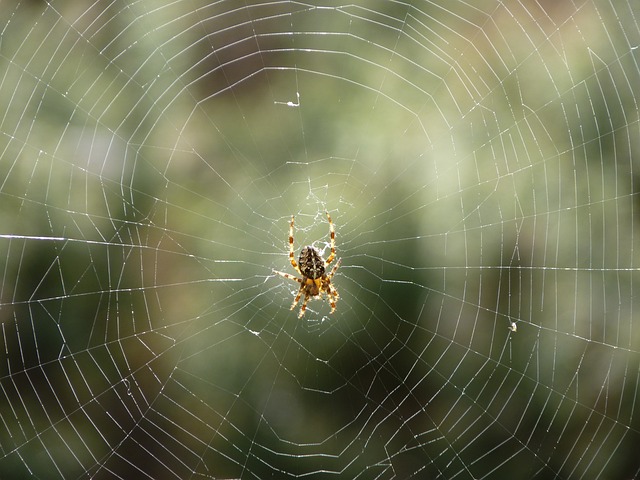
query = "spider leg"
{"x": 331, "y": 292}
{"x": 287, "y": 275}
{"x": 335, "y": 267}
{"x": 333, "y": 298}
{"x": 292, "y": 258}
{"x": 333, "y": 240}
{"x": 304, "y": 302}
{"x": 331, "y": 295}
{"x": 300, "y": 291}
{"x": 297, "y": 299}
{"x": 332, "y": 302}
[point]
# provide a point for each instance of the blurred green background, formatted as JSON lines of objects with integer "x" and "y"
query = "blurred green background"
{"x": 480, "y": 165}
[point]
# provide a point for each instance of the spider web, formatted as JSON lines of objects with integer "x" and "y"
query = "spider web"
{"x": 479, "y": 160}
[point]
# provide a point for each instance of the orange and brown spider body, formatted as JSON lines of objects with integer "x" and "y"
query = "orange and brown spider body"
{"x": 312, "y": 267}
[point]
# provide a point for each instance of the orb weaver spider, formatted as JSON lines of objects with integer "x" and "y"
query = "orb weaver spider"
{"x": 312, "y": 267}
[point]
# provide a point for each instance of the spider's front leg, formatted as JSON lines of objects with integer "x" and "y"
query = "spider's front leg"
{"x": 292, "y": 256}
{"x": 332, "y": 236}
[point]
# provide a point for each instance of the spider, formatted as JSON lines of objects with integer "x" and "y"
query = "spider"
{"x": 312, "y": 267}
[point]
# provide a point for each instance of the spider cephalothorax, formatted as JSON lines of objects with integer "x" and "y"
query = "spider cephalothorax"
{"x": 313, "y": 269}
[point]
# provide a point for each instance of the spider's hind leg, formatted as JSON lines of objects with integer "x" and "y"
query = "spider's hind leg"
{"x": 335, "y": 267}
{"x": 287, "y": 275}
{"x": 297, "y": 299}
{"x": 333, "y": 295}
{"x": 303, "y": 308}
{"x": 333, "y": 306}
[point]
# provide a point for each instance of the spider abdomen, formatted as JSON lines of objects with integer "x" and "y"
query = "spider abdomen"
{"x": 311, "y": 262}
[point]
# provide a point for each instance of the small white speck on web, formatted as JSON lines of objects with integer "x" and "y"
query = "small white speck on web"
{"x": 290, "y": 103}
